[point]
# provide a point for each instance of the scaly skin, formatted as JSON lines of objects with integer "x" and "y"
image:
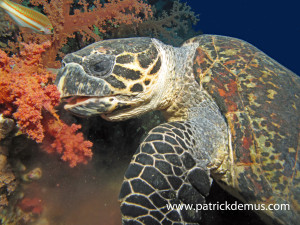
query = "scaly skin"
{"x": 232, "y": 112}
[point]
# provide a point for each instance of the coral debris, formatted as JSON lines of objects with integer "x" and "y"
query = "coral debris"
{"x": 33, "y": 205}
{"x": 28, "y": 95}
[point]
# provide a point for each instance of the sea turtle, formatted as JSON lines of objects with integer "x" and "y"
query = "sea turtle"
{"x": 232, "y": 116}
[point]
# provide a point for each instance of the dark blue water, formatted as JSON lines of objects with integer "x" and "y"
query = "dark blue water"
{"x": 272, "y": 26}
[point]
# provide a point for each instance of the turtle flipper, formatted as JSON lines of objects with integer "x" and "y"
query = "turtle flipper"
{"x": 164, "y": 174}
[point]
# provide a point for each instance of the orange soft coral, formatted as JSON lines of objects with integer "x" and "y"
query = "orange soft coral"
{"x": 27, "y": 94}
{"x": 67, "y": 142}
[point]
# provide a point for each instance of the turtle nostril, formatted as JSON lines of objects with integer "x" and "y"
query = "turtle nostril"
{"x": 72, "y": 58}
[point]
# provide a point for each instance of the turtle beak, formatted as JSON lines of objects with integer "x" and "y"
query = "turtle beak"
{"x": 72, "y": 80}
{"x": 84, "y": 95}
{"x": 89, "y": 106}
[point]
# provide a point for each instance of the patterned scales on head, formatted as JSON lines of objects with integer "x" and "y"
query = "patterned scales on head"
{"x": 125, "y": 67}
{"x": 233, "y": 117}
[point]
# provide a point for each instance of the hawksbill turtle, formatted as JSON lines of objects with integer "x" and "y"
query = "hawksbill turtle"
{"x": 232, "y": 116}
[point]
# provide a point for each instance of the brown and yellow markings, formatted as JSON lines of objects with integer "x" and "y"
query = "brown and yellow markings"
{"x": 201, "y": 56}
{"x": 236, "y": 61}
{"x": 257, "y": 188}
{"x": 276, "y": 124}
{"x": 295, "y": 175}
{"x": 147, "y": 82}
{"x": 267, "y": 73}
{"x": 294, "y": 106}
{"x": 261, "y": 141}
{"x": 271, "y": 93}
{"x": 231, "y": 52}
{"x": 129, "y": 68}
{"x": 131, "y": 58}
{"x": 125, "y": 58}
{"x": 252, "y": 98}
{"x": 272, "y": 83}
{"x": 242, "y": 138}
{"x": 230, "y": 89}
{"x": 153, "y": 69}
{"x": 233, "y": 117}
{"x": 240, "y": 65}
{"x": 233, "y": 61}
{"x": 147, "y": 57}
{"x": 230, "y": 93}
{"x": 246, "y": 80}
{"x": 292, "y": 150}
{"x": 253, "y": 64}
{"x": 102, "y": 50}
{"x": 204, "y": 63}
{"x": 250, "y": 88}
{"x": 273, "y": 116}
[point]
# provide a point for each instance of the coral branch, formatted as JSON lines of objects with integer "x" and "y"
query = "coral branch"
{"x": 172, "y": 26}
{"x": 87, "y": 21}
{"x": 27, "y": 95}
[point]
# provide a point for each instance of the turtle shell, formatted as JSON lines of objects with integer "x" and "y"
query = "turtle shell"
{"x": 260, "y": 100}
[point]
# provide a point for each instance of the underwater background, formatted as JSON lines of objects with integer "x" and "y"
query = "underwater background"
{"x": 42, "y": 181}
{"x": 271, "y": 26}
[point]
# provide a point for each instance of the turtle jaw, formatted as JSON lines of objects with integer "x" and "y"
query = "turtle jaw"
{"x": 86, "y": 106}
{"x": 111, "y": 108}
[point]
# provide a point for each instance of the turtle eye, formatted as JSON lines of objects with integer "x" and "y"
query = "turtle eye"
{"x": 99, "y": 65}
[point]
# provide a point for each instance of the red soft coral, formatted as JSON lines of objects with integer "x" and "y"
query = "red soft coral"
{"x": 27, "y": 94}
{"x": 85, "y": 21}
{"x": 67, "y": 142}
{"x": 24, "y": 89}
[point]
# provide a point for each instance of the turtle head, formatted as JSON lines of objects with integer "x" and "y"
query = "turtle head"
{"x": 117, "y": 79}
